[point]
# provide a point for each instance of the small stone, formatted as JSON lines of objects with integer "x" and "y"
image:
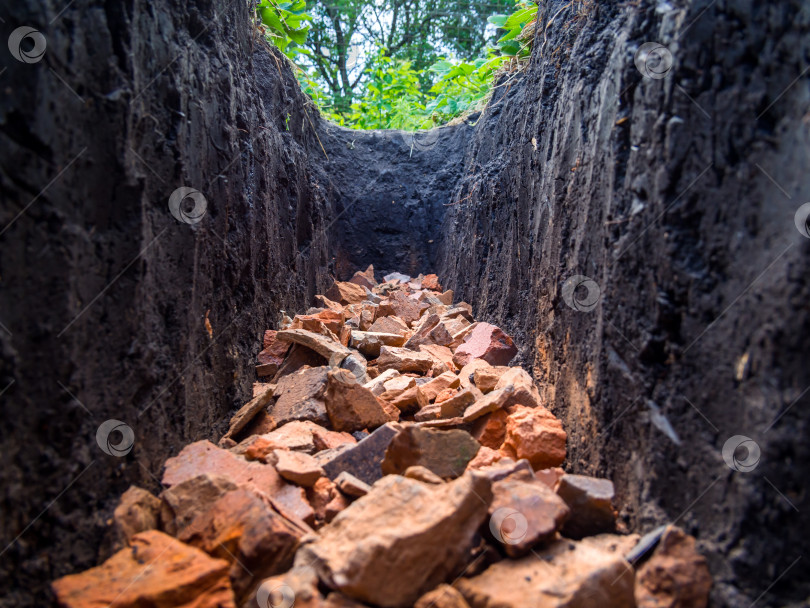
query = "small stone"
{"x": 390, "y": 325}
{"x": 273, "y": 353}
{"x": 137, "y": 511}
{"x": 486, "y": 342}
{"x": 297, "y": 467}
{"x": 591, "y": 503}
{"x": 490, "y": 430}
{"x": 399, "y": 304}
{"x": 204, "y": 457}
{"x": 297, "y": 587}
{"x": 301, "y": 397}
{"x": 491, "y": 402}
{"x": 328, "y": 320}
{"x": 524, "y": 514}
{"x": 445, "y": 453}
{"x": 182, "y": 503}
{"x": 535, "y": 434}
{"x": 325, "y": 302}
{"x": 443, "y": 596}
{"x": 350, "y": 406}
{"x": 420, "y": 473}
{"x": 178, "y": 576}
{"x": 346, "y": 293}
{"x": 249, "y": 411}
{"x": 407, "y": 401}
{"x": 431, "y": 330}
{"x": 351, "y": 486}
{"x": 457, "y": 404}
{"x": 338, "y": 503}
{"x": 443, "y": 396}
{"x": 399, "y": 383}
{"x": 369, "y": 343}
{"x": 676, "y": 575}
{"x": 486, "y": 378}
{"x": 431, "y": 282}
{"x": 319, "y": 496}
{"x": 467, "y": 373}
{"x": 362, "y": 459}
{"x": 551, "y": 476}
{"x": 440, "y": 383}
{"x": 242, "y": 528}
{"x": 403, "y": 360}
{"x": 377, "y": 385}
{"x": 400, "y": 540}
{"x": 485, "y": 457}
{"x": 446, "y": 297}
{"x": 365, "y": 278}
{"x": 525, "y": 392}
{"x": 442, "y": 358}
{"x": 588, "y": 573}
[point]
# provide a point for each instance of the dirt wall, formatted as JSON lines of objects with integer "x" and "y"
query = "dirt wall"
{"x": 676, "y": 197}
{"x": 111, "y": 307}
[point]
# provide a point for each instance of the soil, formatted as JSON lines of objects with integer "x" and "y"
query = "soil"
{"x": 676, "y": 196}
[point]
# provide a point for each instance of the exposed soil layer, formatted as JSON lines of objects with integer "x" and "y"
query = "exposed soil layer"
{"x": 675, "y": 195}
{"x": 105, "y": 294}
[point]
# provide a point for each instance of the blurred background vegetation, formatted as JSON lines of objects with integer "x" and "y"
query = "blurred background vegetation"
{"x": 398, "y": 64}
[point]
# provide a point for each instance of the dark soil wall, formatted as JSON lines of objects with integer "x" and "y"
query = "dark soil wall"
{"x": 104, "y": 293}
{"x": 677, "y": 197}
{"x": 391, "y": 189}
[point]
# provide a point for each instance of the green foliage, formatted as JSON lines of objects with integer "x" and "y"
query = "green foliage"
{"x": 508, "y": 44}
{"x": 392, "y": 87}
{"x": 285, "y": 24}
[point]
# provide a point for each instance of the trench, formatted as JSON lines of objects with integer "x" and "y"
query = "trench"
{"x": 677, "y": 208}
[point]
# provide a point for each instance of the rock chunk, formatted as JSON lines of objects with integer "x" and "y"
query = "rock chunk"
{"x": 351, "y": 486}
{"x": 204, "y": 457}
{"x": 301, "y": 397}
{"x": 486, "y": 378}
{"x": 369, "y": 343}
{"x": 346, "y": 292}
{"x": 590, "y": 573}
{"x": 182, "y": 503}
{"x": 177, "y": 576}
{"x": 438, "y": 384}
{"x": 591, "y": 503}
{"x": 365, "y": 278}
{"x": 524, "y": 514}
{"x": 486, "y": 342}
{"x": 350, "y": 406}
{"x": 676, "y": 576}
{"x": 443, "y": 596}
{"x": 137, "y": 511}
{"x": 273, "y": 353}
{"x": 297, "y": 467}
{"x": 399, "y": 304}
{"x": 362, "y": 459}
{"x": 243, "y": 529}
{"x": 536, "y": 435}
{"x": 406, "y": 533}
{"x": 445, "y": 453}
{"x": 404, "y": 360}
{"x": 390, "y": 325}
